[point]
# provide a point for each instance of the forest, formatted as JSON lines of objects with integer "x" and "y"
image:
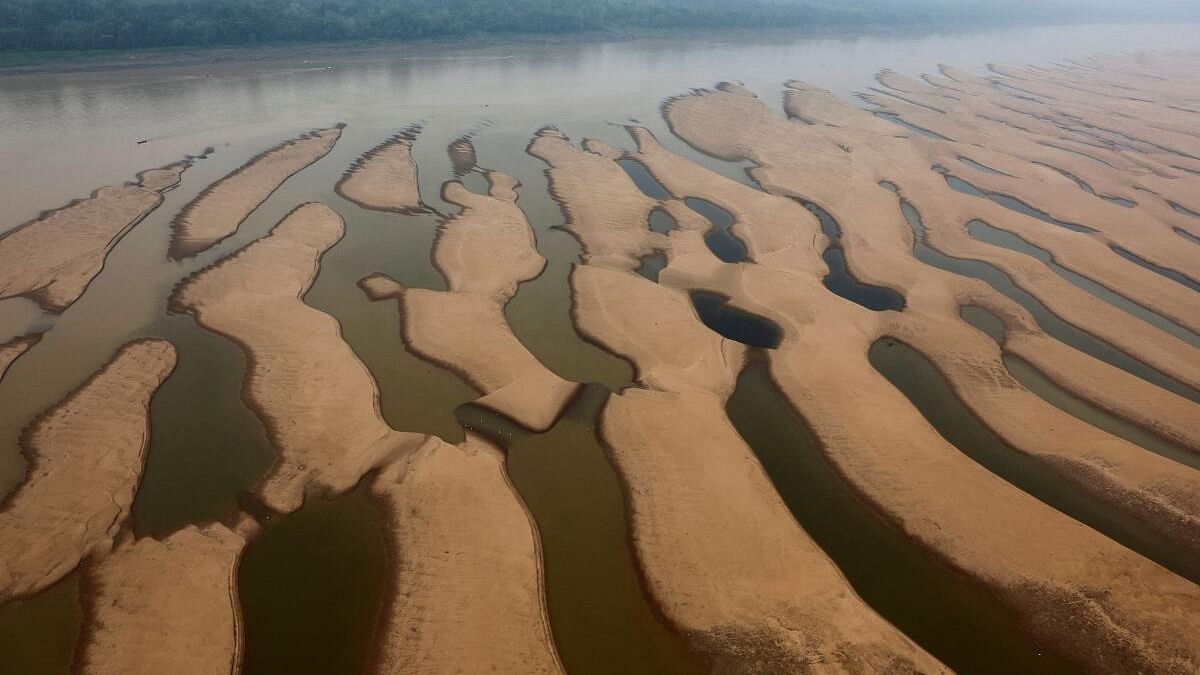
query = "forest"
{"x": 129, "y": 24}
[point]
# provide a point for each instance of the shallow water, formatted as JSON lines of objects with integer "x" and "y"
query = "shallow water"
{"x": 918, "y": 378}
{"x": 600, "y": 616}
{"x": 952, "y": 617}
{"x": 841, "y": 281}
{"x": 1047, "y": 320}
{"x": 66, "y": 133}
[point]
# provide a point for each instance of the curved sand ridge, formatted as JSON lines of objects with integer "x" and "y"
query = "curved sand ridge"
{"x": 755, "y": 593}
{"x": 316, "y": 399}
{"x": 52, "y": 259}
{"x": 13, "y": 349}
{"x": 1101, "y": 603}
{"x": 484, "y": 252}
{"x": 85, "y": 459}
{"x": 467, "y": 594}
{"x": 1144, "y": 229}
{"x": 165, "y": 606}
{"x": 320, "y": 406}
{"x": 218, "y": 211}
{"x": 385, "y": 177}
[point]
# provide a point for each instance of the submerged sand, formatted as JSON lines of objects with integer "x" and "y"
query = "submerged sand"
{"x": 13, "y": 349}
{"x": 52, "y": 259}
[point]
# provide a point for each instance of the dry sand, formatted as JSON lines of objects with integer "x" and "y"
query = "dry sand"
{"x": 170, "y": 606}
{"x": 218, "y": 211}
{"x": 467, "y": 589}
{"x": 85, "y": 459}
{"x": 1099, "y": 602}
{"x": 754, "y": 594}
{"x": 318, "y": 402}
{"x": 484, "y": 252}
{"x": 385, "y": 177}
{"x": 52, "y": 259}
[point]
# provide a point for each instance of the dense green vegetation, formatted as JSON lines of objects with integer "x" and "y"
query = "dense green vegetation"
{"x": 125, "y": 24}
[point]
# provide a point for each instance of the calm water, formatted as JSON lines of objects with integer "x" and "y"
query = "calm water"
{"x": 67, "y": 133}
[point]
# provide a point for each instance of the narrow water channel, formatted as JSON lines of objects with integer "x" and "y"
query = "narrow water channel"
{"x": 1037, "y": 382}
{"x": 1174, "y": 275}
{"x": 953, "y": 617}
{"x": 312, "y": 586}
{"x": 38, "y": 635}
{"x": 1047, "y": 320}
{"x": 602, "y": 620}
{"x": 1005, "y": 239}
{"x": 842, "y": 282}
{"x": 1008, "y": 202}
{"x": 919, "y": 380}
{"x": 719, "y": 239}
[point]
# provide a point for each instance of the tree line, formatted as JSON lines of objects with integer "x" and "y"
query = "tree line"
{"x": 128, "y": 24}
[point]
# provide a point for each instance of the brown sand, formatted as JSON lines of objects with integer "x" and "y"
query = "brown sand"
{"x": 13, "y": 349}
{"x": 318, "y": 401}
{"x": 167, "y": 606}
{"x": 1126, "y": 614}
{"x": 218, "y": 211}
{"x": 85, "y": 459}
{"x": 385, "y": 177}
{"x": 484, "y": 252}
{"x": 468, "y": 590}
{"x": 52, "y": 259}
{"x": 754, "y": 594}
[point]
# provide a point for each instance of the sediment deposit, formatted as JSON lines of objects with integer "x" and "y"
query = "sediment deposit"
{"x": 218, "y": 211}
{"x": 165, "y": 606}
{"x": 318, "y": 402}
{"x": 52, "y": 259}
{"x": 85, "y": 459}
{"x": 385, "y": 177}
{"x": 13, "y": 349}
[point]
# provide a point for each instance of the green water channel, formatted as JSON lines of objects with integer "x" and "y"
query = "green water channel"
{"x": 953, "y": 617}
{"x": 602, "y": 620}
{"x": 919, "y": 379}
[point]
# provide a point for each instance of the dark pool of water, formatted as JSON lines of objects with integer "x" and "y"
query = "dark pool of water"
{"x": 651, "y": 265}
{"x": 600, "y": 615}
{"x": 981, "y": 166}
{"x": 984, "y": 320}
{"x": 829, "y": 225}
{"x": 953, "y": 617}
{"x": 37, "y": 635}
{"x": 719, "y": 239}
{"x": 646, "y": 182}
{"x": 662, "y": 222}
{"x": 841, "y": 281}
{"x": 1179, "y": 208}
{"x": 985, "y": 232}
{"x": 312, "y": 587}
{"x": 1173, "y": 275}
{"x": 919, "y": 380}
{"x": 733, "y": 323}
{"x": 1008, "y": 202}
{"x": 1047, "y": 320}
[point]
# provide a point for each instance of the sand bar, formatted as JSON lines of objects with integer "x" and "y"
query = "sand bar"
{"x": 85, "y": 459}
{"x": 385, "y": 177}
{"x": 467, "y": 595}
{"x": 220, "y": 209}
{"x": 52, "y": 259}
{"x": 165, "y": 606}
{"x": 318, "y": 402}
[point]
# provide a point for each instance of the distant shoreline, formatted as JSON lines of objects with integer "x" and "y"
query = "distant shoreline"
{"x": 32, "y": 62}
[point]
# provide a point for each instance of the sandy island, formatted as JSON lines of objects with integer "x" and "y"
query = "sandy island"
{"x": 220, "y": 209}
{"x": 52, "y": 259}
{"x": 85, "y": 459}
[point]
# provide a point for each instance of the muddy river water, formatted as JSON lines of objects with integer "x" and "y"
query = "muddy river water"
{"x": 66, "y": 131}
